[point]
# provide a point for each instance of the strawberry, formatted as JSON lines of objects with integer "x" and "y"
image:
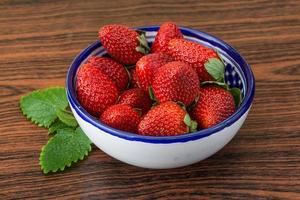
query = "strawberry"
{"x": 95, "y": 91}
{"x": 115, "y": 71}
{"x": 148, "y": 65}
{"x": 136, "y": 98}
{"x": 134, "y": 79}
{"x": 193, "y": 53}
{"x": 124, "y": 44}
{"x": 121, "y": 117}
{"x": 166, "y": 32}
{"x": 215, "y": 104}
{"x": 176, "y": 81}
{"x": 166, "y": 119}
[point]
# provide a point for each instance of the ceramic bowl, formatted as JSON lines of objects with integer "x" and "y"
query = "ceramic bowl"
{"x": 170, "y": 151}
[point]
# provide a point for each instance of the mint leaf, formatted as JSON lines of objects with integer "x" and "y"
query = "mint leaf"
{"x": 58, "y": 125}
{"x": 66, "y": 117}
{"x": 63, "y": 149}
{"x": 236, "y": 93}
{"x": 40, "y": 106}
{"x": 215, "y": 67}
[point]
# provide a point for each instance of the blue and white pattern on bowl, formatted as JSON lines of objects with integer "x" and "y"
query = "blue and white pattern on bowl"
{"x": 167, "y": 151}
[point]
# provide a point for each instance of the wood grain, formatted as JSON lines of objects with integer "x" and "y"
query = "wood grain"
{"x": 39, "y": 39}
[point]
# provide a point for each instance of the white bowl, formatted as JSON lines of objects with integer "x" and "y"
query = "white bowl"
{"x": 171, "y": 151}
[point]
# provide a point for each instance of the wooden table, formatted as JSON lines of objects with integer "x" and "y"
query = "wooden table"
{"x": 39, "y": 39}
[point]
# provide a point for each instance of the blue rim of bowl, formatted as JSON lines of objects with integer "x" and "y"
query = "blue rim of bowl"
{"x": 243, "y": 108}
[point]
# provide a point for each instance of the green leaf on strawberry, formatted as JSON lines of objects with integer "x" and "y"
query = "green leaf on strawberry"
{"x": 41, "y": 106}
{"x": 221, "y": 84}
{"x": 236, "y": 93}
{"x": 151, "y": 94}
{"x": 66, "y": 147}
{"x": 190, "y": 123}
{"x": 215, "y": 67}
{"x": 143, "y": 44}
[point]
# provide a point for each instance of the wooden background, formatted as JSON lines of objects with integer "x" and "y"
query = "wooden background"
{"x": 39, "y": 39}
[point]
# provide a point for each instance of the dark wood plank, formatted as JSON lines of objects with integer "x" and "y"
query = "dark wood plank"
{"x": 39, "y": 39}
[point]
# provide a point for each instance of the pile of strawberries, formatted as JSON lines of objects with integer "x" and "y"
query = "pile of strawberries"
{"x": 174, "y": 87}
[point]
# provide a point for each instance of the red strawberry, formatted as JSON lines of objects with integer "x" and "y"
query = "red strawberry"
{"x": 193, "y": 53}
{"x": 123, "y": 44}
{"x": 215, "y": 104}
{"x": 121, "y": 117}
{"x": 165, "y": 119}
{"x": 176, "y": 81}
{"x": 95, "y": 91}
{"x": 115, "y": 71}
{"x": 166, "y": 32}
{"x": 136, "y": 98}
{"x": 134, "y": 79}
{"x": 148, "y": 65}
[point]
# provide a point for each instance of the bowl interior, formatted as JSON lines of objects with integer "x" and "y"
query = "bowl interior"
{"x": 237, "y": 74}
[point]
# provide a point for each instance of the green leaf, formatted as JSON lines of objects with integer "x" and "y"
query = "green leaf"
{"x": 236, "y": 93}
{"x": 215, "y": 67}
{"x": 151, "y": 94}
{"x": 66, "y": 117}
{"x": 187, "y": 120}
{"x": 143, "y": 41}
{"x": 143, "y": 44}
{"x": 190, "y": 123}
{"x": 63, "y": 149}
{"x": 40, "y": 106}
{"x": 141, "y": 50}
{"x": 193, "y": 127}
{"x": 221, "y": 84}
{"x": 58, "y": 125}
